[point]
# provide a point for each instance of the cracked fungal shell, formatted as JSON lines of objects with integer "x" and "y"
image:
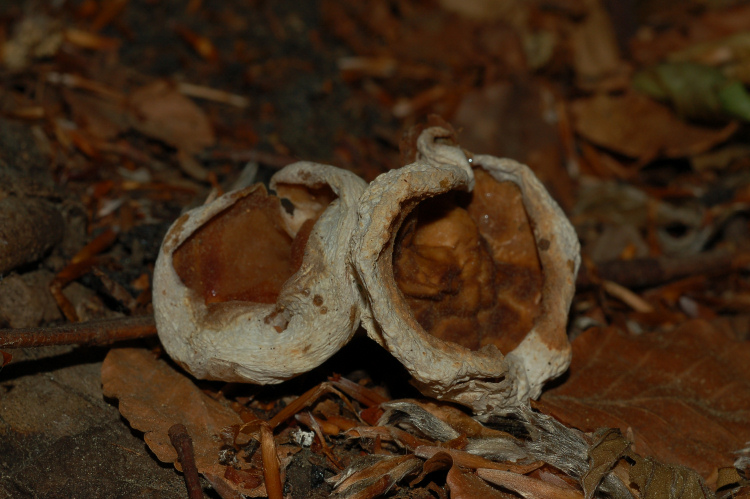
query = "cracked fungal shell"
{"x": 254, "y": 288}
{"x": 469, "y": 270}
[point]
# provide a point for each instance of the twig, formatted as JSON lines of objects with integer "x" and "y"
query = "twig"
{"x": 212, "y": 94}
{"x": 270, "y": 464}
{"x": 183, "y": 444}
{"x": 361, "y": 394}
{"x": 647, "y": 272}
{"x": 79, "y": 265}
{"x": 71, "y": 80}
{"x": 99, "y": 332}
{"x": 323, "y": 444}
{"x": 306, "y": 399}
{"x": 628, "y": 297}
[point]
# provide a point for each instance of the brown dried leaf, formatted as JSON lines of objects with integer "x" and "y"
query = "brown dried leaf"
{"x": 511, "y": 119}
{"x": 153, "y": 397}
{"x": 639, "y": 127}
{"x": 594, "y": 44}
{"x": 471, "y": 461}
{"x": 103, "y": 118}
{"x": 161, "y": 112}
{"x": 465, "y": 485}
{"x": 684, "y": 395}
{"x": 380, "y": 475}
{"x": 657, "y": 480}
{"x": 530, "y": 488}
{"x": 652, "y": 479}
{"x": 439, "y": 461}
{"x": 701, "y": 36}
{"x": 604, "y": 454}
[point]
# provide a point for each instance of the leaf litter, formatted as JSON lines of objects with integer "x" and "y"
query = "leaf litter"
{"x": 522, "y": 451}
{"x": 681, "y": 396}
{"x": 656, "y": 183}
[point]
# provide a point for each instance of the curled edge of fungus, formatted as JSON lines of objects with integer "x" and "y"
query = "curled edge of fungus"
{"x": 317, "y": 309}
{"x": 545, "y": 352}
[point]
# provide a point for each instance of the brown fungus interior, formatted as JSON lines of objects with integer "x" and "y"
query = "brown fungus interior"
{"x": 468, "y": 267}
{"x": 242, "y": 253}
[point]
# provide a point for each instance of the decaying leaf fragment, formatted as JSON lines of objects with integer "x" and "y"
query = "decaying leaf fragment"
{"x": 634, "y": 125}
{"x": 650, "y": 479}
{"x": 683, "y": 394}
{"x": 152, "y": 397}
{"x": 161, "y": 112}
{"x": 465, "y": 485}
{"x": 374, "y": 475}
{"x": 608, "y": 448}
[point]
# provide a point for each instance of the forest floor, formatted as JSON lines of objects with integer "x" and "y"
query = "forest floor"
{"x": 118, "y": 116}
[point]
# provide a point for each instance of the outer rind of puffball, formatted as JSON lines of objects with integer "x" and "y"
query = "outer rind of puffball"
{"x": 545, "y": 352}
{"x": 238, "y": 341}
{"x": 444, "y": 370}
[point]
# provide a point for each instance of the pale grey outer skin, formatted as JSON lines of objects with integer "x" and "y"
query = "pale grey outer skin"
{"x": 239, "y": 341}
{"x": 482, "y": 379}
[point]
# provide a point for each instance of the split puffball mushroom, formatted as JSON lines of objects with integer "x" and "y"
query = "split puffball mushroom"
{"x": 254, "y": 287}
{"x": 469, "y": 270}
{"x": 463, "y": 268}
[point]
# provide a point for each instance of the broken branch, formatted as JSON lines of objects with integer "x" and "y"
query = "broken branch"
{"x": 99, "y": 332}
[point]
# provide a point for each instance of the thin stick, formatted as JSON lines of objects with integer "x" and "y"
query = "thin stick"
{"x": 326, "y": 449}
{"x": 99, "y": 332}
{"x": 183, "y": 444}
{"x": 646, "y": 272}
{"x": 80, "y": 264}
{"x": 628, "y": 297}
{"x": 369, "y": 398}
{"x": 271, "y": 472}
{"x": 300, "y": 402}
{"x": 212, "y": 94}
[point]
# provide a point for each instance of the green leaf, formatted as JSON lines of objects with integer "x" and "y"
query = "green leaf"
{"x": 696, "y": 91}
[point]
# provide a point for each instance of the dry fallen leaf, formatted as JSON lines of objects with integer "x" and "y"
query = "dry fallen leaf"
{"x": 639, "y": 127}
{"x": 608, "y": 448}
{"x": 684, "y": 395}
{"x": 161, "y": 112}
{"x": 153, "y": 397}
{"x": 465, "y": 485}
{"x": 511, "y": 119}
{"x": 652, "y": 479}
{"x": 100, "y": 117}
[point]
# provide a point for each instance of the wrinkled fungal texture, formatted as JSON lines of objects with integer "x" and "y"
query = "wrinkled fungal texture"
{"x": 468, "y": 267}
{"x": 242, "y": 253}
